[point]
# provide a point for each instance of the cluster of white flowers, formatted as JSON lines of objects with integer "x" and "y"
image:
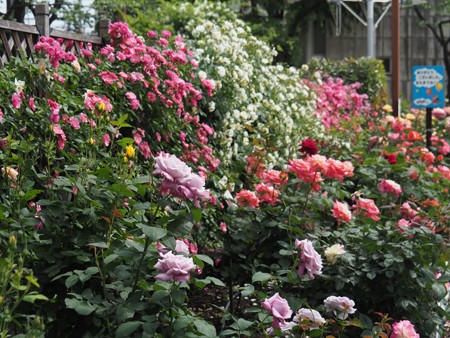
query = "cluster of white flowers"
{"x": 263, "y": 107}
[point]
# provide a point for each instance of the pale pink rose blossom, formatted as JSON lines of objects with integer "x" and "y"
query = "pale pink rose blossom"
{"x": 179, "y": 180}
{"x": 175, "y": 267}
{"x": 310, "y": 260}
{"x": 279, "y": 308}
{"x": 181, "y": 246}
{"x": 340, "y": 306}
{"x": 404, "y": 329}
{"x": 313, "y": 315}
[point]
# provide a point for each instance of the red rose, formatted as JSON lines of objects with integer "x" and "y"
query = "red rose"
{"x": 309, "y": 147}
{"x": 392, "y": 158}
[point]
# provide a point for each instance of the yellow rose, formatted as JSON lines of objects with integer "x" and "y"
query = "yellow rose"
{"x": 101, "y": 106}
{"x": 130, "y": 151}
{"x": 387, "y": 108}
{"x": 410, "y": 116}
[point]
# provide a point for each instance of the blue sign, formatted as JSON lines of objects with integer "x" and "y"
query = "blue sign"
{"x": 428, "y": 87}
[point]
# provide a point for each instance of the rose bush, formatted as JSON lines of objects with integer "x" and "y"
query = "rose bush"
{"x": 89, "y": 190}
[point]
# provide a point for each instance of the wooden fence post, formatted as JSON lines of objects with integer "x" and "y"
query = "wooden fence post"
{"x": 104, "y": 26}
{"x": 42, "y": 19}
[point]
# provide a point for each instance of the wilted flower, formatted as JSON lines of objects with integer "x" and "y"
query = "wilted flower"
{"x": 340, "y": 306}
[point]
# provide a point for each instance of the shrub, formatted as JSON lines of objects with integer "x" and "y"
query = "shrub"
{"x": 369, "y": 72}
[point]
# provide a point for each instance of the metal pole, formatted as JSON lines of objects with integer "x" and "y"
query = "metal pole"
{"x": 429, "y": 126}
{"x": 370, "y": 29}
{"x": 395, "y": 83}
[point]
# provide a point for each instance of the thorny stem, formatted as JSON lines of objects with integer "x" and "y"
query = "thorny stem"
{"x": 144, "y": 253}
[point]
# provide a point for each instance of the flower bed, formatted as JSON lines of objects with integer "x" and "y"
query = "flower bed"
{"x": 115, "y": 210}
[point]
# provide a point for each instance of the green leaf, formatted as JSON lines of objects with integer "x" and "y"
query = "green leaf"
{"x": 205, "y": 328}
{"x": 180, "y": 227}
{"x": 248, "y": 290}
{"x": 34, "y": 296}
{"x": 110, "y": 258}
{"x": 181, "y": 323}
{"x": 121, "y": 189}
{"x": 32, "y": 280}
{"x": 243, "y": 324}
{"x": 101, "y": 245}
{"x": 439, "y": 290}
{"x": 31, "y": 194}
{"x": 71, "y": 281}
{"x": 366, "y": 322}
{"x": 84, "y": 308}
{"x": 124, "y": 313}
{"x": 205, "y": 259}
{"x": 125, "y": 141}
{"x": 261, "y": 277}
{"x": 153, "y": 233}
{"x": 215, "y": 281}
{"x": 126, "y": 329}
{"x": 91, "y": 270}
{"x": 160, "y": 295}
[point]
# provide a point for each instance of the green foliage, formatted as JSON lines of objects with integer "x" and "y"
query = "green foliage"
{"x": 369, "y": 72}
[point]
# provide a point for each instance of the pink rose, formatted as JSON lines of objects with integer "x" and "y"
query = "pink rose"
{"x": 340, "y": 306}
{"x": 16, "y": 101}
{"x": 338, "y": 169}
{"x": 279, "y": 308}
{"x": 388, "y": 186}
{"x": 175, "y": 267}
{"x": 309, "y": 259}
{"x": 267, "y": 194}
{"x": 181, "y": 246}
{"x": 404, "y": 329}
{"x": 341, "y": 211}
{"x": 247, "y": 198}
{"x": 305, "y": 171}
{"x": 179, "y": 180}
{"x": 439, "y": 113}
{"x": 223, "y": 227}
{"x": 368, "y": 206}
{"x": 275, "y": 177}
{"x": 106, "y": 140}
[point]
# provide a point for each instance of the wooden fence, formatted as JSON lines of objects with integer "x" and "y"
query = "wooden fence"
{"x": 18, "y": 39}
